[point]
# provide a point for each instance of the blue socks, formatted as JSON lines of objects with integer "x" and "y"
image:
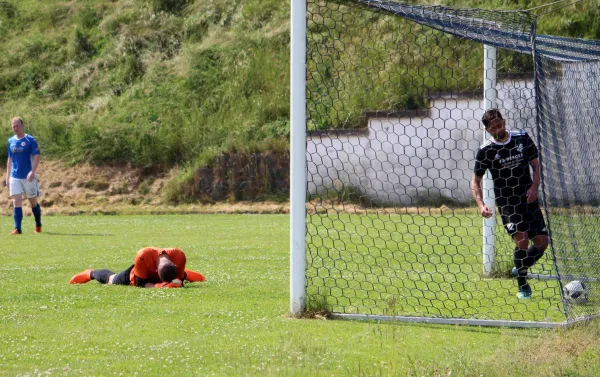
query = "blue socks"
{"x": 37, "y": 213}
{"x": 18, "y": 216}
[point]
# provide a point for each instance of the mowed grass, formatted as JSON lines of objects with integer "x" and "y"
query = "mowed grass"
{"x": 419, "y": 265}
{"x": 236, "y": 323}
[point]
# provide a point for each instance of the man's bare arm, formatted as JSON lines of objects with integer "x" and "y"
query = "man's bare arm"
{"x": 532, "y": 193}
{"x": 34, "y": 166}
{"x": 477, "y": 192}
{"x": 8, "y": 169}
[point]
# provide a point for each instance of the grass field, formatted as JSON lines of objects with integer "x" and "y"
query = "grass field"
{"x": 234, "y": 324}
{"x": 418, "y": 266}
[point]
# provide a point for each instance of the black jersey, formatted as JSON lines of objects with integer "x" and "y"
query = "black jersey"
{"x": 508, "y": 163}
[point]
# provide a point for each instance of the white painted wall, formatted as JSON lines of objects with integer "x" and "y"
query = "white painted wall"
{"x": 414, "y": 160}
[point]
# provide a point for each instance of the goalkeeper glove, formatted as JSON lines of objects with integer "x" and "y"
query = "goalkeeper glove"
{"x": 176, "y": 283}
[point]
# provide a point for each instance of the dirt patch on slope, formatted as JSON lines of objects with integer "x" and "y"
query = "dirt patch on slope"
{"x": 86, "y": 188}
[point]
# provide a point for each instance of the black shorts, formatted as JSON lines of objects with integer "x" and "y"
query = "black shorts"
{"x": 122, "y": 278}
{"x": 520, "y": 216}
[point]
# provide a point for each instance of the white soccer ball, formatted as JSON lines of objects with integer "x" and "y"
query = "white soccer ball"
{"x": 576, "y": 292}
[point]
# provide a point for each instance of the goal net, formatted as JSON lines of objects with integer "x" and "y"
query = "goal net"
{"x": 394, "y": 96}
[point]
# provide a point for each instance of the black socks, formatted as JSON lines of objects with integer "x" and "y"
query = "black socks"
{"x": 525, "y": 259}
{"x": 520, "y": 257}
{"x": 533, "y": 255}
{"x": 101, "y": 275}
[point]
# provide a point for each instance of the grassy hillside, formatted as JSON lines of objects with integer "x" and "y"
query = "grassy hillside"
{"x": 360, "y": 60}
{"x": 158, "y": 83}
{"x": 146, "y": 82}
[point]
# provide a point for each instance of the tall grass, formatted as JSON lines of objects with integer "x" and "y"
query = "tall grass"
{"x": 162, "y": 82}
{"x": 141, "y": 82}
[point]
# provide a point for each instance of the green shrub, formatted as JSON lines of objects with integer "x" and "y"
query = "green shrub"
{"x": 195, "y": 27}
{"x": 260, "y": 11}
{"x": 88, "y": 18}
{"x": 9, "y": 79}
{"x": 54, "y": 135}
{"x": 278, "y": 129}
{"x": 180, "y": 189}
{"x": 35, "y": 46}
{"x": 80, "y": 47}
{"x": 59, "y": 14}
{"x": 206, "y": 74}
{"x": 7, "y": 10}
{"x": 171, "y": 6}
{"x": 32, "y": 75}
{"x": 113, "y": 23}
{"x": 57, "y": 84}
{"x": 129, "y": 65}
{"x": 144, "y": 187}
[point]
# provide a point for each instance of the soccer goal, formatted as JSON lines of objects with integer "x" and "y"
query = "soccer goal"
{"x": 386, "y": 107}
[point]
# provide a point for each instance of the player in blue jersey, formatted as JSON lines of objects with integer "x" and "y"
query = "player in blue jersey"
{"x": 508, "y": 156}
{"x": 21, "y": 176}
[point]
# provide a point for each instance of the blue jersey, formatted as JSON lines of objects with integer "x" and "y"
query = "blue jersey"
{"x": 21, "y": 152}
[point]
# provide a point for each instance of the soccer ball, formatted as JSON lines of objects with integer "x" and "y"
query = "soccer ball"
{"x": 576, "y": 292}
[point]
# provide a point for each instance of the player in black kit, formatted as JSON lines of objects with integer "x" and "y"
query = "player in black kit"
{"x": 508, "y": 156}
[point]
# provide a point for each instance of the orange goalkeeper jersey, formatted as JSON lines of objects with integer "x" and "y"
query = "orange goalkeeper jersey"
{"x": 146, "y": 263}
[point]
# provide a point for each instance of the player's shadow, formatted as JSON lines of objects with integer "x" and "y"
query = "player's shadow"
{"x": 80, "y": 234}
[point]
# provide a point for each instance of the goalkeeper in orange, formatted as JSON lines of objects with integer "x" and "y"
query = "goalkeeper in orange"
{"x": 153, "y": 268}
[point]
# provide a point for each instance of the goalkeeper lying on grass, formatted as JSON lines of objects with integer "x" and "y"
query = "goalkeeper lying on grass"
{"x": 153, "y": 268}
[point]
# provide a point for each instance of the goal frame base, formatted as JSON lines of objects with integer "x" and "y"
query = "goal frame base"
{"x": 461, "y": 321}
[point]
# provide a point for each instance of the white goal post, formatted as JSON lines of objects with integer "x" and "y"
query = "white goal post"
{"x": 489, "y": 102}
{"x": 298, "y": 157}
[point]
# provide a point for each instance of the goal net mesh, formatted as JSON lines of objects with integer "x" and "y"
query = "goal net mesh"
{"x": 394, "y": 105}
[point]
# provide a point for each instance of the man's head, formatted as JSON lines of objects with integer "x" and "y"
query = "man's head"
{"x": 494, "y": 124}
{"x": 167, "y": 271}
{"x": 17, "y": 126}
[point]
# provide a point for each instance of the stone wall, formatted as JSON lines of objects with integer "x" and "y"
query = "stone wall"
{"x": 414, "y": 158}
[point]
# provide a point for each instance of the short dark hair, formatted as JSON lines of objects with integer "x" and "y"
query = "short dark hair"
{"x": 167, "y": 271}
{"x": 491, "y": 115}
